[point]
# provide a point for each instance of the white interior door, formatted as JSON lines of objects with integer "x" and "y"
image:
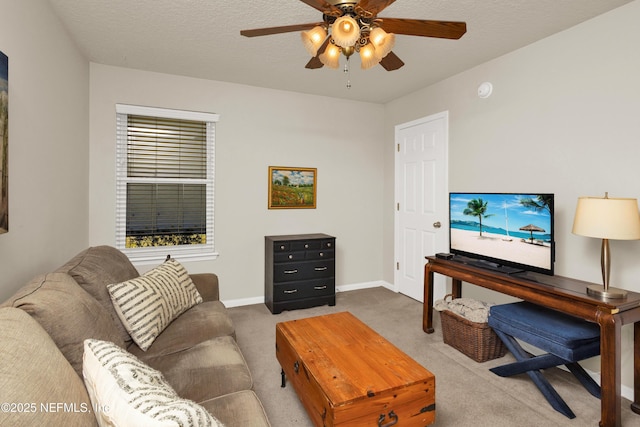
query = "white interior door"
{"x": 422, "y": 218}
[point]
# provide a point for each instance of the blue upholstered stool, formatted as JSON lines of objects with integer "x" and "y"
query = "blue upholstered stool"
{"x": 567, "y": 340}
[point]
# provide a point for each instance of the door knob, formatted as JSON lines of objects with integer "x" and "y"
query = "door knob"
{"x": 437, "y": 224}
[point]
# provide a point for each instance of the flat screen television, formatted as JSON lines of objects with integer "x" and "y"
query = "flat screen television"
{"x": 509, "y": 232}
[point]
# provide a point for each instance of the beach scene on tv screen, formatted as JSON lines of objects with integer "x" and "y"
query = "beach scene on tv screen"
{"x": 511, "y": 227}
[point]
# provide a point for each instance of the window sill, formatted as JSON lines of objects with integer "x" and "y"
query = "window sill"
{"x": 157, "y": 255}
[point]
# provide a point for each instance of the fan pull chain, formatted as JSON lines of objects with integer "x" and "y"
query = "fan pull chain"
{"x": 347, "y": 71}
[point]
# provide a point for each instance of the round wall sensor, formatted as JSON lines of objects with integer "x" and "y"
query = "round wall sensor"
{"x": 485, "y": 89}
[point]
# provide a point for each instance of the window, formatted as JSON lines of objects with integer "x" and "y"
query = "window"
{"x": 164, "y": 183}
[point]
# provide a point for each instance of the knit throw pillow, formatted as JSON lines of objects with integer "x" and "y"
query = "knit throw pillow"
{"x": 126, "y": 392}
{"x": 147, "y": 304}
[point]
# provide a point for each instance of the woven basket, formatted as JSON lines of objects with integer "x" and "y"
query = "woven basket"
{"x": 476, "y": 340}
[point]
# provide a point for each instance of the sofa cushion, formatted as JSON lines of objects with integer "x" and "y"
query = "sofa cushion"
{"x": 200, "y": 323}
{"x": 68, "y": 314}
{"x": 147, "y": 304}
{"x": 239, "y": 409}
{"x": 94, "y": 269}
{"x": 36, "y": 377}
{"x": 135, "y": 394}
{"x": 206, "y": 370}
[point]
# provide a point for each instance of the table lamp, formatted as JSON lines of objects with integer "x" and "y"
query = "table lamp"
{"x": 607, "y": 218}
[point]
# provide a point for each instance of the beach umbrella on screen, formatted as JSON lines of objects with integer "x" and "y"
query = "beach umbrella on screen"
{"x": 531, "y": 228}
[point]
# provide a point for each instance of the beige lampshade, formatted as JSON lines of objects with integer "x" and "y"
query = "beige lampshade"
{"x": 368, "y": 57}
{"x": 331, "y": 56}
{"x": 382, "y": 41}
{"x": 345, "y": 31}
{"x": 313, "y": 39}
{"x": 607, "y": 218}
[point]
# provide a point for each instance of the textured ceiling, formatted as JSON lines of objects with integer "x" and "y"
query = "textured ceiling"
{"x": 201, "y": 38}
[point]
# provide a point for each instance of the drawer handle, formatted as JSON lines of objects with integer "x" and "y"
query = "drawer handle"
{"x": 328, "y": 245}
{"x": 319, "y": 288}
{"x": 282, "y": 247}
{"x": 290, "y": 271}
{"x": 290, "y": 291}
{"x": 306, "y": 246}
{"x": 320, "y": 268}
{"x": 290, "y": 256}
{"x": 321, "y": 254}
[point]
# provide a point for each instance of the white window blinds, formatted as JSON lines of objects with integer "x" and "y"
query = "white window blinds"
{"x": 165, "y": 165}
{"x": 166, "y": 148}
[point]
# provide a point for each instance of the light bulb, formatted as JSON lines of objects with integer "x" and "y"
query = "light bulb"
{"x": 313, "y": 39}
{"x": 368, "y": 57}
{"x": 331, "y": 56}
{"x": 345, "y": 31}
{"x": 382, "y": 41}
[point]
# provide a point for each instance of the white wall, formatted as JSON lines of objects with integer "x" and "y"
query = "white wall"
{"x": 258, "y": 128}
{"x": 48, "y": 150}
{"x": 563, "y": 118}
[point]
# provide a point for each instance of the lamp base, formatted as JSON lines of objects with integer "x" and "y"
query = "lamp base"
{"x": 599, "y": 291}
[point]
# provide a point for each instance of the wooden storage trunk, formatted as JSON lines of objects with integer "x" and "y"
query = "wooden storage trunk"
{"x": 346, "y": 374}
{"x": 476, "y": 340}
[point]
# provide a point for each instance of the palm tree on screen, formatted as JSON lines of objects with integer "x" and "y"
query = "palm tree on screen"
{"x": 541, "y": 202}
{"x": 478, "y": 208}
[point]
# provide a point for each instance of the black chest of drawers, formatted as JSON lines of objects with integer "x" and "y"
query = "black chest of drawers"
{"x": 299, "y": 271}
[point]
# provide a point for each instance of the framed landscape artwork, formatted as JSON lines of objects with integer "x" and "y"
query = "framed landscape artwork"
{"x": 4, "y": 143}
{"x": 292, "y": 188}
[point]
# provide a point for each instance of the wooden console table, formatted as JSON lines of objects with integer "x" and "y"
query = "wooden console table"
{"x": 565, "y": 295}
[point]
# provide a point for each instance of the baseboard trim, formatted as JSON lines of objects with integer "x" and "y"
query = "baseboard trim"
{"x": 625, "y": 391}
{"x": 343, "y": 288}
{"x": 243, "y": 301}
{"x": 365, "y": 285}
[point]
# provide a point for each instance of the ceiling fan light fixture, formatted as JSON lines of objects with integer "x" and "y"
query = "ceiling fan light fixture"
{"x": 345, "y": 31}
{"x": 313, "y": 39}
{"x": 347, "y": 26}
{"x": 331, "y": 56}
{"x": 368, "y": 56}
{"x": 382, "y": 41}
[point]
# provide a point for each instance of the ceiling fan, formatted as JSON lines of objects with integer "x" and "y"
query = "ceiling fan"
{"x": 350, "y": 26}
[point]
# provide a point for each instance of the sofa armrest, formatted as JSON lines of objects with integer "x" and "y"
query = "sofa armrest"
{"x": 207, "y": 285}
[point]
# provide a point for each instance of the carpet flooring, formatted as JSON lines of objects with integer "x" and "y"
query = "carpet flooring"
{"x": 467, "y": 393}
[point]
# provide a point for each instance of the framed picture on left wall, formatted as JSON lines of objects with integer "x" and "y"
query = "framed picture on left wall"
{"x": 4, "y": 143}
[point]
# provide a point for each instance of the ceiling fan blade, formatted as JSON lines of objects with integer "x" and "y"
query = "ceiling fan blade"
{"x": 424, "y": 28}
{"x": 278, "y": 30}
{"x": 391, "y": 62}
{"x": 315, "y": 63}
{"x": 324, "y": 7}
{"x": 374, "y": 6}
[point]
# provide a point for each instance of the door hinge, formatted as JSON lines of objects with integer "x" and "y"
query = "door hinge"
{"x": 398, "y": 147}
{"x": 398, "y": 206}
{"x": 397, "y": 266}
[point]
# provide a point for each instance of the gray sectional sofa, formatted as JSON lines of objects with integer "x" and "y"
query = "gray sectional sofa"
{"x": 45, "y": 324}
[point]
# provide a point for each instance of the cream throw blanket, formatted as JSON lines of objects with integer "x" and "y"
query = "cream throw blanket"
{"x": 470, "y": 309}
